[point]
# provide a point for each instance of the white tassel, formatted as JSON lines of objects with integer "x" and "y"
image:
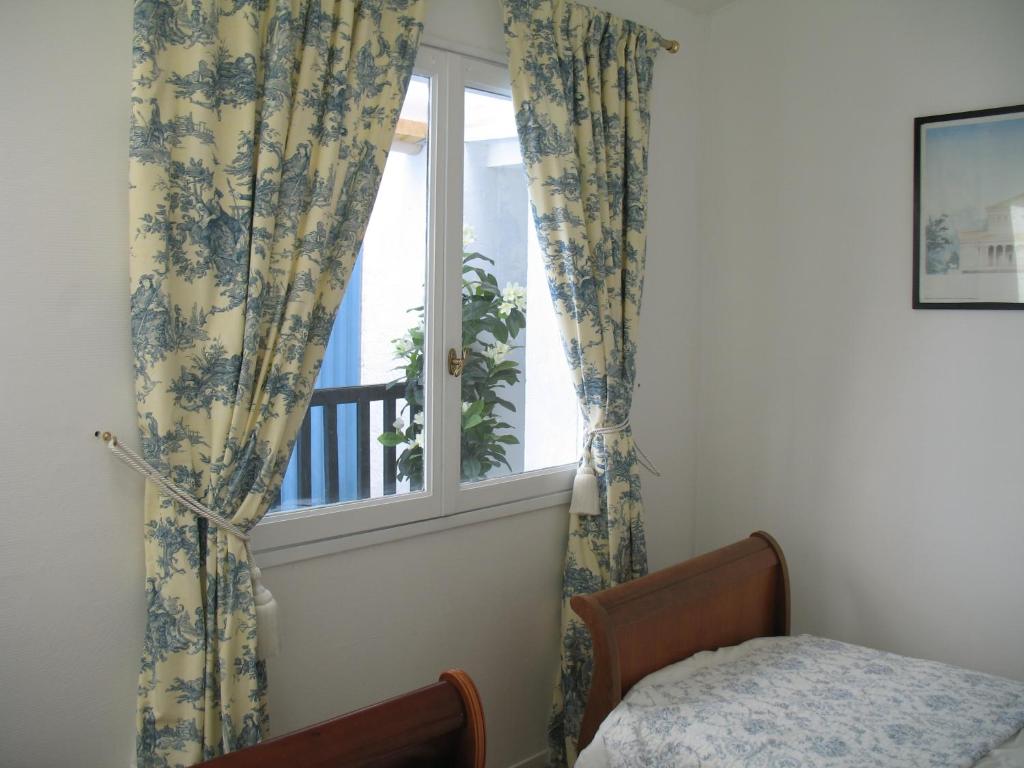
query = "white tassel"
{"x": 268, "y": 641}
{"x": 584, "y": 492}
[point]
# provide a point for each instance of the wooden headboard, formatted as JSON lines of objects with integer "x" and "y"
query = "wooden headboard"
{"x": 723, "y": 598}
{"x": 439, "y": 725}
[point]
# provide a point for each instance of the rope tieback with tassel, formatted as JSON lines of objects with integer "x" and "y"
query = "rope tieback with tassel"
{"x": 585, "y": 499}
{"x": 266, "y": 607}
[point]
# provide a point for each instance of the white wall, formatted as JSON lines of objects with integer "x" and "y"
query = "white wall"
{"x": 71, "y": 583}
{"x": 361, "y": 625}
{"x": 882, "y": 446}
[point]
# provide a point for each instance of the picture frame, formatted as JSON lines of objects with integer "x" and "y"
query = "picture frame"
{"x": 969, "y": 210}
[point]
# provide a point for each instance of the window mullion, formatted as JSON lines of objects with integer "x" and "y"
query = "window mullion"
{"x": 451, "y": 258}
{"x": 436, "y": 299}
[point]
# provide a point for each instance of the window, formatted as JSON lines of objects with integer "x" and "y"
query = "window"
{"x": 450, "y": 261}
{"x": 541, "y": 430}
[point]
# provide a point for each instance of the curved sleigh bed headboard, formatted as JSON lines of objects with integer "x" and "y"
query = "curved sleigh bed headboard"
{"x": 438, "y": 725}
{"x": 722, "y": 598}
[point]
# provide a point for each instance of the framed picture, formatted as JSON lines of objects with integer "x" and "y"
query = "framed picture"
{"x": 969, "y": 210}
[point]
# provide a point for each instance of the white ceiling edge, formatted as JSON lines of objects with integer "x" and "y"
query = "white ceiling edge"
{"x": 700, "y": 6}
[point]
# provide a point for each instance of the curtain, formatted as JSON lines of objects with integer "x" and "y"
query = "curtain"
{"x": 581, "y": 81}
{"x": 259, "y": 133}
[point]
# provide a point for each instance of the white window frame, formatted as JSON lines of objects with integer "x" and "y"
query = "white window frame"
{"x": 445, "y": 502}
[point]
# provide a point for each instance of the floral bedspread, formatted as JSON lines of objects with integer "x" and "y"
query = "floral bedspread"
{"x": 801, "y": 701}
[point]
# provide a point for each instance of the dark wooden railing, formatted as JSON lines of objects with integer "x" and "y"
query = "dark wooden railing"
{"x": 325, "y": 403}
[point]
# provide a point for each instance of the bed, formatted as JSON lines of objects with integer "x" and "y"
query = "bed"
{"x": 438, "y": 726}
{"x": 695, "y": 665}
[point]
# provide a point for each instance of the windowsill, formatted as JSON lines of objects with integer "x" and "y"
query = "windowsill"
{"x": 272, "y": 548}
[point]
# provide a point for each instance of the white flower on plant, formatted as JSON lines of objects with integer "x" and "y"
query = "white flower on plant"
{"x": 418, "y": 442}
{"x": 468, "y": 235}
{"x": 466, "y": 406}
{"x": 497, "y": 352}
{"x": 403, "y": 346}
{"x": 418, "y": 419}
{"x": 513, "y": 297}
{"x": 399, "y": 425}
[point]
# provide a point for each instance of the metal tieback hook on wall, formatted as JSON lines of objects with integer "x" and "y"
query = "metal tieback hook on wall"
{"x": 180, "y": 495}
{"x": 268, "y": 641}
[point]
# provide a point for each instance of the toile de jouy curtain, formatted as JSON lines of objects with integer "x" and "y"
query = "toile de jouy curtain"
{"x": 581, "y": 81}
{"x": 259, "y": 133}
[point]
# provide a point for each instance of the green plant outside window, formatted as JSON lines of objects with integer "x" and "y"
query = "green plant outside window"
{"x": 492, "y": 319}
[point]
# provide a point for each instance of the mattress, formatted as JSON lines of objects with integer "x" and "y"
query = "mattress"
{"x": 796, "y": 702}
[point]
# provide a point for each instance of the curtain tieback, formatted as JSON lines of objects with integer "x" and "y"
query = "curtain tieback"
{"x": 266, "y": 607}
{"x": 584, "y": 486}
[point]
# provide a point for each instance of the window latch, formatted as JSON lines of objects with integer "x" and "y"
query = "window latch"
{"x": 457, "y": 363}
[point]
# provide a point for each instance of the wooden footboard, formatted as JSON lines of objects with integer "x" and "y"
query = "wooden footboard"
{"x": 439, "y": 725}
{"x": 715, "y": 600}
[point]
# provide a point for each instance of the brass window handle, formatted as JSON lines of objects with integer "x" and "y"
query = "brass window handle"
{"x": 456, "y": 363}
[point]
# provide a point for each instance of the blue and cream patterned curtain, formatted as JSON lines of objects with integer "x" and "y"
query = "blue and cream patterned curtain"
{"x": 581, "y": 80}
{"x": 259, "y": 133}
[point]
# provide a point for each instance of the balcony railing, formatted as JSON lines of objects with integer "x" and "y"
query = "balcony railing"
{"x": 325, "y": 406}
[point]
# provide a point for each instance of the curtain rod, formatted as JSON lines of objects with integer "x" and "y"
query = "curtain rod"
{"x": 672, "y": 46}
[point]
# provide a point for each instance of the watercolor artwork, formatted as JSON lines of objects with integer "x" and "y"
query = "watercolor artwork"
{"x": 969, "y": 210}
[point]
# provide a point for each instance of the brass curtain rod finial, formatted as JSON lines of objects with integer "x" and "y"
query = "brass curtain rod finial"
{"x": 672, "y": 46}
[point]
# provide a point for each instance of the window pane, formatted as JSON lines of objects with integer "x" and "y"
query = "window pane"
{"x": 362, "y": 437}
{"x": 519, "y": 410}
